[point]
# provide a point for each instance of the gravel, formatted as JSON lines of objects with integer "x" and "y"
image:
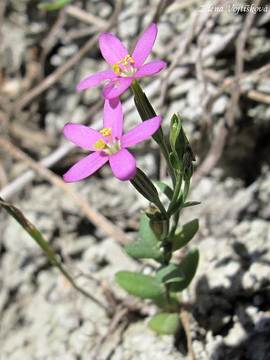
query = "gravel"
{"x": 42, "y": 317}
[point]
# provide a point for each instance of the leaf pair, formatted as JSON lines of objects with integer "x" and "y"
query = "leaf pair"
{"x": 173, "y": 277}
{"x": 148, "y": 245}
{"x": 177, "y": 277}
{"x": 161, "y": 288}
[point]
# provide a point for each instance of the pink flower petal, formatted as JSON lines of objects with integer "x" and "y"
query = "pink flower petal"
{"x": 144, "y": 45}
{"x": 123, "y": 165}
{"x": 113, "y": 117}
{"x": 95, "y": 79}
{"x": 141, "y": 132}
{"x": 153, "y": 67}
{"x": 111, "y": 48}
{"x": 85, "y": 167}
{"x": 82, "y": 135}
{"x": 116, "y": 87}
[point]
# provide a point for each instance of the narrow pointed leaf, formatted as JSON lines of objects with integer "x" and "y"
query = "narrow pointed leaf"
{"x": 191, "y": 203}
{"x": 145, "y": 109}
{"x": 144, "y": 186}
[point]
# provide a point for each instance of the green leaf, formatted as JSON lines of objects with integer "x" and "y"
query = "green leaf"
{"x": 174, "y": 131}
{"x": 188, "y": 268}
{"x": 164, "y": 272}
{"x": 177, "y": 138}
{"x": 145, "y": 109}
{"x": 147, "y": 245}
{"x": 185, "y": 234}
{"x": 143, "y": 286}
{"x": 182, "y": 155}
{"x": 51, "y": 6}
{"x": 146, "y": 188}
{"x": 191, "y": 203}
{"x": 165, "y": 189}
{"x": 175, "y": 280}
{"x": 178, "y": 276}
{"x": 188, "y": 166}
{"x": 174, "y": 161}
{"x": 165, "y": 323}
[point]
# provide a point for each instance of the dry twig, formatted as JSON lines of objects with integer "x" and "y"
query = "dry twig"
{"x": 96, "y": 218}
{"x": 58, "y": 73}
{"x": 184, "y": 316}
{"x": 199, "y": 21}
{"x": 218, "y": 144}
{"x": 52, "y": 38}
{"x": 3, "y": 176}
{"x": 86, "y": 17}
{"x": 259, "y": 96}
{"x": 120, "y": 317}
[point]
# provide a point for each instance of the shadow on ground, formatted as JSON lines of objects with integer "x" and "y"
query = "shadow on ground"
{"x": 221, "y": 308}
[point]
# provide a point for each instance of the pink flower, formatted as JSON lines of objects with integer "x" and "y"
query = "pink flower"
{"x": 124, "y": 67}
{"x": 108, "y": 144}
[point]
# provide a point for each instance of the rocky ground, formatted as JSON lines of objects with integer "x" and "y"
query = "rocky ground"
{"x": 42, "y": 317}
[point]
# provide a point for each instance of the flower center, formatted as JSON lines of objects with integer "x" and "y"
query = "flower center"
{"x": 125, "y": 67}
{"x": 112, "y": 146}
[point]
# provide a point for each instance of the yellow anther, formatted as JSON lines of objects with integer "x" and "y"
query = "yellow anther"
{"x": 116, "y": 68}
{"x": 106, "y": 131}
{"x": 127, "y": 60}
{"x": 100, "y": 144}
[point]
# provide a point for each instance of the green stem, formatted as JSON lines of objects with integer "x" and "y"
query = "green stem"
{"x": 186, "y": 190}
{"x": 175, "y": 223}
{"x": 176, "y": 192}
{"x": 177, "y": 214}
{"x": 46, "y": 248}
{"x": 146, "y": 112}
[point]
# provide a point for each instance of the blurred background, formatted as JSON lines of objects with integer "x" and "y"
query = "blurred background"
{"x": 218, "y": 80}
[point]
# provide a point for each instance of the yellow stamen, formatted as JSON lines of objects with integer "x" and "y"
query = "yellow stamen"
{"x": 127, "y": 60}
{"x": 100, "y": 144}
{"x": 116, "y": 68}
{"x": 106, "y": 131}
